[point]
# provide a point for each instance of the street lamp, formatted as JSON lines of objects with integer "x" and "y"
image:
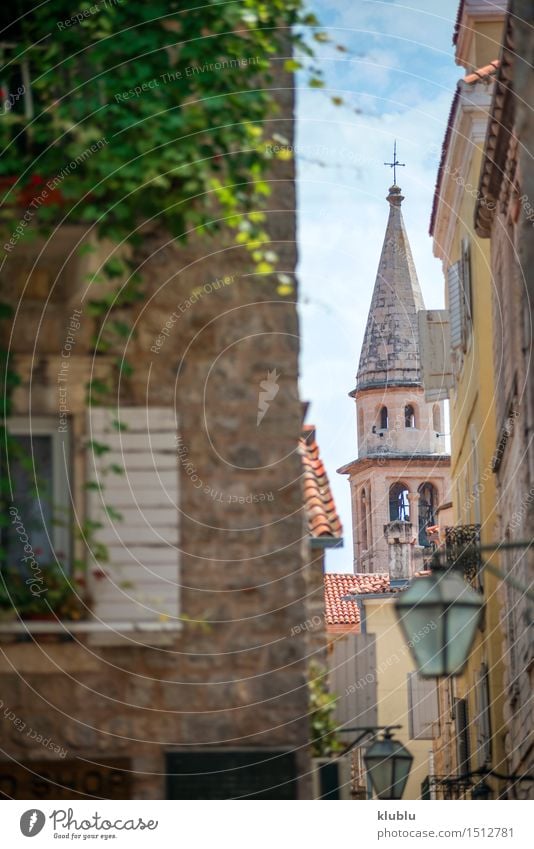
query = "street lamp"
{"x": 439, "y": 615}
{"x": 388, "y": 765}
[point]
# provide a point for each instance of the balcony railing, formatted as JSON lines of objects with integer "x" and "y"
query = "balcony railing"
{"x": 462, "y": 551}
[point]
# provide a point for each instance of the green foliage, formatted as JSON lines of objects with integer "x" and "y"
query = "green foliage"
{"x": 53, "y": 593}
{"x": 141, "y": 112}
{"x": 146, "y": 111}
{"x": 323, "y": 728}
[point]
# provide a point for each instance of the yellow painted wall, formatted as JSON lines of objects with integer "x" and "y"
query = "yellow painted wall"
{"x": 394, "y": 662}
{"x": 473, "y": 444}
{"x": 487, "y": 43}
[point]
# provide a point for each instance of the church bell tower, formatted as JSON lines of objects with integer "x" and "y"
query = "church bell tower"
{"x": 401, "y": 473}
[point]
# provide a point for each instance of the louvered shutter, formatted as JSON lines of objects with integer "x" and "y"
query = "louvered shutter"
{"x": 353, "y": 679}
{"x": 140, "y": 582}
{"x": 466, "y": 282}
{"x": 462, "y": 736}
{"x": 435, "y": 347}
{"x": 456, "y": 305}
{"x": 483, "y": 724}
{"x": 422, "y": 706}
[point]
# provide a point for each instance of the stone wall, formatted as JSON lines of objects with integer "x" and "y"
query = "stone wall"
{"x": 233, "y": 676}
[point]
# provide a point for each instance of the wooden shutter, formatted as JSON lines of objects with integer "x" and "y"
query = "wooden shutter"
{"x": 353, "y": 679}
{"x": 435, "y": 348}
{"x": 466, "y": 282}
{"x": 483, "y": 723}
{"x": 422, "y": 706}
{"x": 456, "y": 305}
{"x": 461, "y": 717}
{"x": 139, "y": 583}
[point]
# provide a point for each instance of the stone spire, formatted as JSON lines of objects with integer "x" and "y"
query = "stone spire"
{"x": 390, "y": 349}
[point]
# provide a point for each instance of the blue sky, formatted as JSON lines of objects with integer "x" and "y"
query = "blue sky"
{"x": 400, "y": 75}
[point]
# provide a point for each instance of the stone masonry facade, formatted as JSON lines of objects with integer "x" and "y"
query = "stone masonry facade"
{"x": 233, "y": 676}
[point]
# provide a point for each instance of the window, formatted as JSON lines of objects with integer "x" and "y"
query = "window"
{"x": 16, "y": 96}
{"x": 384, "y": 418}
{"x": 409, "y": 416}
{"x": 427, "y": 507}
{"x": 436, "y": 418}
{"x": 422, "y": 706}
{"x": 363, "y": 520}
{"x": 399, "y": 504}
{"x": 39, "y": 469}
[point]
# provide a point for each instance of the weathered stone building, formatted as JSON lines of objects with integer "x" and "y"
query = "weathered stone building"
{"x": 180, "y": 662}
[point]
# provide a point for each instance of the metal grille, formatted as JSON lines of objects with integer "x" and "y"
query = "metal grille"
{"x": 252, "y": 774}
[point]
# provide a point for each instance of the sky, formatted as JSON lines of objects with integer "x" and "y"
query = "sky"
{"x": 397, "y": 80}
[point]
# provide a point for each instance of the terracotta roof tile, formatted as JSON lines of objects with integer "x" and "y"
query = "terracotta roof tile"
{"x": 484, "y": 74}
{"x": 339, "y": 584}
{"x": 323, "y": 518}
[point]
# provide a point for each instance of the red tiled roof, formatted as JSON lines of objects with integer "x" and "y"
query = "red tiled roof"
{"x": 339, "y": 584}
{"x": 484, "y": 74}
{"x": 323, "y": 519}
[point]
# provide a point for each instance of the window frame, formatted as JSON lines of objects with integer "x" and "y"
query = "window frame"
{"x": 405, "y": 489}
{"x": 61, "y": 533}
{"x": 433, "y": 505}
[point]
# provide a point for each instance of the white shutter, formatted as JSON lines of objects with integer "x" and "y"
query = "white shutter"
{"x": 422, "y": 705}
{"x": 435, "y": 348}
{"x": 353, "y": 679}
{"x": 141, "y": 581}
{"x": 456, "y": 305}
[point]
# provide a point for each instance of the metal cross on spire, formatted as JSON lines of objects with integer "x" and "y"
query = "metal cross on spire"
{"x": 395, "y": 164}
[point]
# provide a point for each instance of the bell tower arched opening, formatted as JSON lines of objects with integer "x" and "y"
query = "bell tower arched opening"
{"x": 428, "y": 500}
{"x": 399, "y": 503}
